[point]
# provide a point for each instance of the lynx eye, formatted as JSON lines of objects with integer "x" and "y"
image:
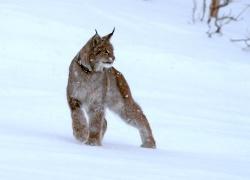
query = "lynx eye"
{"x": 107, "y": 51}
{"x": 98, "y": 51}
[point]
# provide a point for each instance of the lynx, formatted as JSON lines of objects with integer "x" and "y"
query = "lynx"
{"x": 93, "y": 86}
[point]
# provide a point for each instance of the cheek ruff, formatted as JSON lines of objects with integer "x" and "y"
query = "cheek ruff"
{"x": 107, "y": 65}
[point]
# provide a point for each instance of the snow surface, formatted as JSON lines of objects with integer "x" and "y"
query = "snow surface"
{"x": 194, "y": 90}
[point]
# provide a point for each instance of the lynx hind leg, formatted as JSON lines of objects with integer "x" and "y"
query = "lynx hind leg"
{"x": 79, "y": 122}
{"x": 124, "y": 105}
{"x": 132, "y": 114}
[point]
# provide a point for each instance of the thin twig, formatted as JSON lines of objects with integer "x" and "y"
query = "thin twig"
{"x": 243, "y": 11}
{"x": 194, "y": 10}
{"x": 246, "y": 41}
{"x": 204, "y": 7}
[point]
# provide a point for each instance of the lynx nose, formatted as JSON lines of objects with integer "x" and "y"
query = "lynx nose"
{"x": 111, "y": 59}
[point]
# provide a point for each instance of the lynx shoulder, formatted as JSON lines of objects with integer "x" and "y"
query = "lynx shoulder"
{"x": 94, "y": 86}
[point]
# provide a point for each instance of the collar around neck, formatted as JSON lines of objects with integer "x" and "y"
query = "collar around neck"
{"x": 84, "y": 68}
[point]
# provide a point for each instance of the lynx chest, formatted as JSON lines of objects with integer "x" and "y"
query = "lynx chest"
{"x": 89, "y": 88}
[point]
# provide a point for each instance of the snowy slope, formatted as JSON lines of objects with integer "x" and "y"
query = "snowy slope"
{"x": 194, "y": 90}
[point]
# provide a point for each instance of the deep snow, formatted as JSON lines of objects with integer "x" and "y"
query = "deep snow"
{"x": 194, "y": 90}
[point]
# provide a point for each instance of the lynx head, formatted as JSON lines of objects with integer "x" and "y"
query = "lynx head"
{"x": 98, "y": 53}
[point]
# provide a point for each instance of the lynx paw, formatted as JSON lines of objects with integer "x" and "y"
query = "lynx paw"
{"x": 149, "y": 144}
{"x": 93, "y": 142}
{"x": 80, "y": 135}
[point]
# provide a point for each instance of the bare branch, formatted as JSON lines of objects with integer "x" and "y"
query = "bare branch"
{"x": 204, "y": 7}
{"x": 224, "y": 4}
{"x": 194, "y": 10}
{"x": 246, "y": 41}
{"x": 224, "y": 19}
{"x": 243, "y": 11}
{"x": 215, "y": 6}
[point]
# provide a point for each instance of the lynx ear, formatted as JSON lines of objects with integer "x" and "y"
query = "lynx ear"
{"x": 107, "y": 37}
{"x": 96, "y": 38}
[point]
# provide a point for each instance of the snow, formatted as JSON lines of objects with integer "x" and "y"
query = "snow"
{"x": 194, "y": 90}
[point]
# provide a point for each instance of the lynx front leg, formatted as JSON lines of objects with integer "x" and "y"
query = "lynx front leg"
{"x": 79, "y": 123}
{"x": 97, "y": 126}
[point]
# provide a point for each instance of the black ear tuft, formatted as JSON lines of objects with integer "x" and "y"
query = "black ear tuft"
{"x": 113, "y": 32}
{"x": 107, "y": 37}
{"x": 96, "y": 33}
